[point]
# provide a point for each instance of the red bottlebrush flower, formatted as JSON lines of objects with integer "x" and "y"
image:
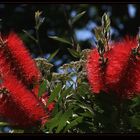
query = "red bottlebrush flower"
{"x": 11, "y": 113}
{"x": 119, "y": 73}
{"x": 20, "y": 60}
{"x": 120, "y": 64}
{"x": 94, "y": 72}
{"x": 25, "y": 101}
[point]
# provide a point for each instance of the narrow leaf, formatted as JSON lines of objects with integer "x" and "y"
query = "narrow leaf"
{"x": 84, "y": 106}
{"x": 73, "y": 123}
{"x": 86, "y": 114}
{"x": 52, "y": 55}
{"x": 30, "y": 36}
{"x": 135, "y": 102}
{"x": 135, "y": 121}
{"x": 54, "y": 93}
{"x": 74, "y": 53}
{"x": 65, "y": 93}
{"x": 60, "y": 39}
{"x": 98, "y": 33}
{"x": 42, "y": 88}
{"x": 63, "y": 120}
{"x": 4, "y": 124}
{"x": 77, "y": 17}
{"x": 106, "y": 21}
{"x": 54, "y": 121}
{"x": 18, "y": 131}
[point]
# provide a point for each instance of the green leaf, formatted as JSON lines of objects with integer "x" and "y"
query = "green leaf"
{"x": 98, "y": 33}
{"x": 30, "y": 36}
{"x": 106, "y": 21}
{"x": 65, "y": 93}
{"x": 74, "y": 53}
{"x": 37, "y": 15}
{"x": 52, "y": 55}
{"x": 56, "y": 109}
{"x": 135, "y": 121}
{"x": 63, "y": 121}
{"x": 4, "y": 124}
{"x": 54, "y": 121}
{"x": 18, "y": 131}
{"x": 73, "y": 123}
{"x": 54, "y": 93}
{"x": 83, "y": 89}
{"x": 136, "y": 99}
{"x": 77, "y": 17}
{"x": 38, "y": 19}
{"x": 60, "y": 39}
{"x": 78, "y": 49}
{"x": 42, "y": 88}
{"x": 86, "y": 107}
{"x": 135, "y": 102}
{"x": 86, "y": 114}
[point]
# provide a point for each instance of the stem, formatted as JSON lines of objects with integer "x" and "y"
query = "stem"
{"x": 107, "y": 45}
{"x": 71, "y": 30}
{"x": 38, "y": 42}
{"x": 73, "y": 36}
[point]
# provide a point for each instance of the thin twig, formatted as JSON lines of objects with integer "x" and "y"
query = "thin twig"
{"x": 38, "y": 42}
{"x": 70, "y": 28}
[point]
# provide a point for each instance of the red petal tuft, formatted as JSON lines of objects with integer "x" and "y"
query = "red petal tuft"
{"x": 25, "y": 101}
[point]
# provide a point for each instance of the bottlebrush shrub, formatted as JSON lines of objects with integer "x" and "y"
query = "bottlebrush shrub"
{"x": 67, "y": 97}
{"x": 121, "y": 72}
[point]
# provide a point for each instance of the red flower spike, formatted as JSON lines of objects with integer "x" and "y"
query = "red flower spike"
{"x": 25, "y": 101}
{"x": 95, "y": 72}
{"x": 22, "y": 57}
{"x": 118, "y": 60}
{"x": 11, "y": 113}
{"x": 121, "y": 72}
